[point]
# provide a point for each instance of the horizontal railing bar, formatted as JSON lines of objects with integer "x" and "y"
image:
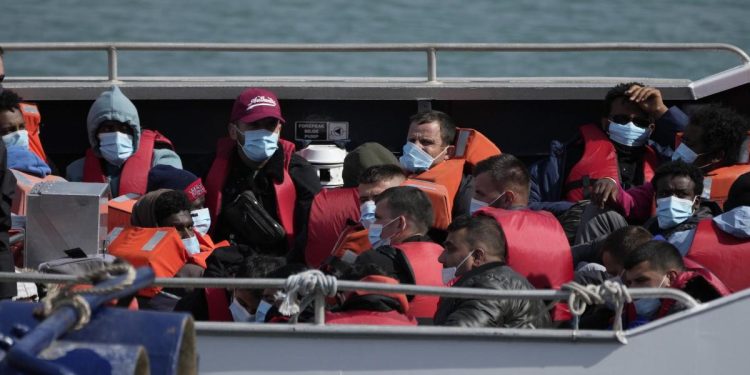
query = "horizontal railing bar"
{"x": 376, "y": 47}
{"x": 345, "y": 285}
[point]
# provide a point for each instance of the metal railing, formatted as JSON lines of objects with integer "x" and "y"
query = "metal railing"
{"x": 343, "y": 285}
{"x": 430, "y": 49}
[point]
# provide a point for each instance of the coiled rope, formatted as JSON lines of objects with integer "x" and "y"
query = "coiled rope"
{"x": 300, "y": 290}
{"x": 66, "y": 295}
{"x": 608, "y": 292}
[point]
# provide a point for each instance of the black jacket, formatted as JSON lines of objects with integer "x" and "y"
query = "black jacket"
{"x": 7, "y": 190}
{"x": 508, "y": 313}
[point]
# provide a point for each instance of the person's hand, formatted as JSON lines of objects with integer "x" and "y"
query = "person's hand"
{"x": 605, "y": 190}
{"x": 649, "y": 99}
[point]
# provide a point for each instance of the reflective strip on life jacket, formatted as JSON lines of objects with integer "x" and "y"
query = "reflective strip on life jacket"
{"x": 537, "y": 248}
{"x": 286, "y": 195}
{"x": 423, "y": 259}
{"x": 32, "y": 118}
{"x": 329, "y": 213}
{"x": 439, "y": 198}
{"x": 134, "y": 176}
{"x": 726, "y": 256}
{"x": 352, "y": 241}
{"x": 24, "y": 183}
{"x": 599, "y": 160}
{"x": 159, "y": 248}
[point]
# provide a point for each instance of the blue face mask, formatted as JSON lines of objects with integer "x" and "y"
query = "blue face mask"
{"x": 192, "y": 245}
{"x": 17, "y": 138}
{"x": 262, "y": 311}
{"x": 671, "y": 211}
{"x": 647, "y": 307}
{"x": 260, "y": 144}
{"x": 367, "y": 213}
{"x": 116, "y": 147}
{"x": 414, "y": 159}
{"x": 628, "y": 134}
{"x": 476, "y": 204}
{"x": 375, "y": 232}
{"x": 684, "y": 153}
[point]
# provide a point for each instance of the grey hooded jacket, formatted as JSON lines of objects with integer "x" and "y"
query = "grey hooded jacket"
{"x": 115, "y": 106}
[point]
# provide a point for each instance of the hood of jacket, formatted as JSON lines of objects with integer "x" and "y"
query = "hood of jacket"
{"x": 115, "y": 106}
{"x": 735, "y": 222}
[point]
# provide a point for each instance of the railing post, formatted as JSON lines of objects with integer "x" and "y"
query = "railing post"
{"x": 320, "y": 309}
{"x": 112, "y": 63}
{"x": 431, "y": 65}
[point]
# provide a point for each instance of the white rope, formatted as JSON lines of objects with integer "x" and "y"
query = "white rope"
{"x": 608, "y": 292}
{"x": 300, "y": 290}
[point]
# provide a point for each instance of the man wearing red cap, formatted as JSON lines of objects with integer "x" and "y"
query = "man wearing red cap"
{"x": 253, "y": 158}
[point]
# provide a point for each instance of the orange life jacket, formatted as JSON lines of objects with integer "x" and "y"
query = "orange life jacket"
{"x": 351, "y": 242}
{"x": 120, "y": 210}
{"x": 599, "y": 161}
{"x": 473, "y": 147}
{"x": 439, "y": 197}
{"x": 134, "y": 177}
{"x": 24, "y": 183}
{"x": 207, "y": 246}
{"x": 286, "y": 195}
{"x": 423, "y": 260}
{"x": 218, "y": 305}
{"x": 721, "y": 179}
{"x": 329, "y": 213}
{"x": 400, "y": 297}
{"x": 537, "y": 248}
{"x": 449, "y": 174}
{"x": 32, "y": 118}
{"x": 728, "y": 257}
{"x": 158, "y": 248}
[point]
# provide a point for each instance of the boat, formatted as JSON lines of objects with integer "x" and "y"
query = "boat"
{"x": 522, "y": 114}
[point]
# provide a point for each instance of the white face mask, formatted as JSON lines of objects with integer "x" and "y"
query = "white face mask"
{"x": 449, "y": 273}
{"x": 116, "y": 147}
{"x": 191, "y": 245}
{"x": 239, "y": 313}
{"x": 367, "y": 213}
{"x": 476, "y": 204}
{"x": 201, "y": 220}
{"x": 684, "y": 153}
{"x": 17, "y": 138}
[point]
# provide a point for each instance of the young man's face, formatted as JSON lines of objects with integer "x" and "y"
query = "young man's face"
{"x": 623, "y": 111}
{"x": 371, "y": 191}
{"x": 182, "y": 221}
{"x": 679, "y": 186}
{"x": 427, "y": 137}
{"x": 11, "y": 121}
{"x": 644, "y": 275}
{"x": 456, "y": 250}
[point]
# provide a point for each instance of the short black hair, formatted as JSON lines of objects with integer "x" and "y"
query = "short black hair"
{"x": 287, "y": 270}
{"x": 260, "y": 266}
{"x": 680, "y": 168}
{"x": 505, "y": 169}
{"x": 624, "y": 241}
{"x": 723, "y": 130}
{"x": 410, "y": 202}
{"x": 662, "y": 256}
{"x": 447, "y": 126}
{"x": 484, "y": 229}
{"x": 617, "y": 92}
{"x": 378, "y": 173}
{"x": 9, "y": 101}
{"x": 739, "y": 193}
{"x": 359, "y": 271}
{"x": 169, "y": 203}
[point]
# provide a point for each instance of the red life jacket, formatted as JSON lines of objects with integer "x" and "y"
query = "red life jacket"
{"x": 32, "y": 118}
{"x": 134, "y": 176}
{"x": 423, "y": 260}
{"x": 723, "y": 254}
{"x": 330, "y": 210}
{"x": 391, "y": 318}
{"x": 537, "y": 249}
{"x": 692, "y": 271}
{"x": 218, "y": 305}
{"x": 286, "y": 195}
{"x": 599, "y": 160}
{"x": 352, "y": 241}
{"x": 721, "y": 179}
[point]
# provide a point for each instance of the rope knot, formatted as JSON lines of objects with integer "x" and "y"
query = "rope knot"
{"x": 300, "y": 290}
{"x": 609, "y": 292}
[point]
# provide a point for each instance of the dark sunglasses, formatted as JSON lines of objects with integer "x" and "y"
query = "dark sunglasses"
{"x": 624, "y": 119}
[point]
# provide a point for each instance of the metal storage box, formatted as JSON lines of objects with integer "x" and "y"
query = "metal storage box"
{"x": 62, "y": 216}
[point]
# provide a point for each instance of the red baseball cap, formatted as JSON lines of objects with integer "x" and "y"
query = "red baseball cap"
{"x": 255, "y": 104}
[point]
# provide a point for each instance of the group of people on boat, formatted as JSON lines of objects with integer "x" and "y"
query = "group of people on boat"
{"x": 647, "y": 197}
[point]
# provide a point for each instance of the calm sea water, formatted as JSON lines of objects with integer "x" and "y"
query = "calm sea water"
{"x": 339, "y": 21}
